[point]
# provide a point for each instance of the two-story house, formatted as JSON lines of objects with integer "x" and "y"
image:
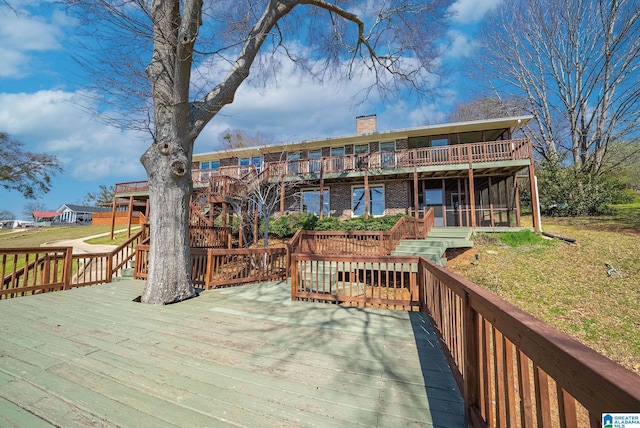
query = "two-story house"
{"x": 467, "y": 171}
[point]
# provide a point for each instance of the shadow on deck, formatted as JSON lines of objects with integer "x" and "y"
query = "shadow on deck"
{"x": 243, "y": 356}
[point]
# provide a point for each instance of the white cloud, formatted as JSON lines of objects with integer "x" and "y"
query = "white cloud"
{"x": 470, "y": 11}
{"x": 300, "y": 108}
{"x": 51, "y": 122}
{"x": 24, "y": 35}
{"x": 462, "y": 46}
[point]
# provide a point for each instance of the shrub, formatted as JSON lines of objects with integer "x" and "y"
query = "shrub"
{"x": 568, "y": 190}
{"x": 328, "y": 223}
{"x": 287, "y": 225}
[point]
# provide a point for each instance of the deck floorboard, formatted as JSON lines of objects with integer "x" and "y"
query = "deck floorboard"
{"x": 243, "y": 356}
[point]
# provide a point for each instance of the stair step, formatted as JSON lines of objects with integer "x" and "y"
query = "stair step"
{"x": 451, "y": 232}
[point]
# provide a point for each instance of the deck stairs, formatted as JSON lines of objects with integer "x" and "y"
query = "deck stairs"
{"x": 436, "y": 243}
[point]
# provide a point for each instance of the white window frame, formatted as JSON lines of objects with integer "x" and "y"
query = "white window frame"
{"x": 326, "y": 202}
{"x": 384, "y": 203}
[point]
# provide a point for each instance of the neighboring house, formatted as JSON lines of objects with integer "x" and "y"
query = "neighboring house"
{"x": 468, "y": 172}
{"x": 45, "y": 218}
{"x": 78, "y": 214}
{"x": 15, "y": 224}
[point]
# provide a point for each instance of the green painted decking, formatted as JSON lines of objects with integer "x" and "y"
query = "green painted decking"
{"x": 243, "y": 356}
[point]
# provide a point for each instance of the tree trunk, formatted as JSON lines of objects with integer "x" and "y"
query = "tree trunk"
{"x": 170, "y": 186}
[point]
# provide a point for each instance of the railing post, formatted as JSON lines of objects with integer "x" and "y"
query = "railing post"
{"x": 110, "y": 272}
{"x": 68, "y": 268}
{"x": 208, "y": 276}
{"x": 471, "y": 369}
{"x": 294, "y": 277}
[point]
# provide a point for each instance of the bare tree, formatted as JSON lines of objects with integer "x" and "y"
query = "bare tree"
{"x": 575, "y": 64}
{"x": 238, "y": 138}
{"x": 485, "y": 108}
{"x": 200, "y": 53}
{"x": 26, "y": 172}
{"x": 7, "y": 215}
{"x": 30, "y": 207}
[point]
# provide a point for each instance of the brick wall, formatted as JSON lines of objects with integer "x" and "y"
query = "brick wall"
{"x": 396, "y": 197}
{"x": 366, "y": 124}
{"x": 340, "y": 199}
{"x": 402, "y": 144}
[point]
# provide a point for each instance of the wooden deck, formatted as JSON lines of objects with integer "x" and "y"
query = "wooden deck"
{"x": 243, "y": 356}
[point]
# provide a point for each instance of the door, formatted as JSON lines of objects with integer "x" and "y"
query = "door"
{"x": 457, "y": 207}
{"x": 434, "y": 198}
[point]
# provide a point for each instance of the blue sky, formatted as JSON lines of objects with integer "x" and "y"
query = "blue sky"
{"x": 43, "y": 103}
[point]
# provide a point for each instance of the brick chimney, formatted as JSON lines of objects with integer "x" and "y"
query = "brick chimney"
{"x": 366, "y": 124}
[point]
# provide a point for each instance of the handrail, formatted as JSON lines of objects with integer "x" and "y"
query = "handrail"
{"x": 465, "y": 153}
{"x": 512, "y": 369}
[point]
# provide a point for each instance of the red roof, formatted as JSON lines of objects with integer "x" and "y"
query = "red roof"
{"x": 45, "y": 214}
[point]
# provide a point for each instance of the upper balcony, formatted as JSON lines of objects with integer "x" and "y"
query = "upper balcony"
{"x": 491, "y": 154}
{"x": 515, "y": 153}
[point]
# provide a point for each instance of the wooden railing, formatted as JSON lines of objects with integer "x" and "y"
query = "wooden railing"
{"x": 132, "y": 186}
{"x": 240, "y": 266}
{"x": 513, "y": 370}
{"x": 233, "y": 180}
{"x": 361, "y": 242}
{"x": 26, "y": 271}
{"x": 365, "y": 280}
{"x": 209, "y": 236}
{"x": 214, "y": 268}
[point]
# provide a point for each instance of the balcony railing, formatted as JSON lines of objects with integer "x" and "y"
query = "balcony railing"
{"x": 474, "y": 153}
{"x": 492, "y": 151}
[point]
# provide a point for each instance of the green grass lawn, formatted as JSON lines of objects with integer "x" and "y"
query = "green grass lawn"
{"x": 36, "y": 236}
{"x": 567, "y": 285}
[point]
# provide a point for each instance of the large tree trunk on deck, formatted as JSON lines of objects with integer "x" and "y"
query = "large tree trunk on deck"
{"x": 170, "y": 186}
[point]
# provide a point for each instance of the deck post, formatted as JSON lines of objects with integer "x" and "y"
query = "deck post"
{"x": 255, "y": 221}
{"x": 472, "y": 194}
{"x": 282, "y": 196}
{"x": 516, "y": 198}
{"x": 366, "y": 193}
{"x": 491, "y": 219}
{"x": 321, "y": 190}
{"x": 113, "y": 215}
{"x": 129, "y": 217}
{"x": 534, "y": 200}
{"x": 415, "y": 191}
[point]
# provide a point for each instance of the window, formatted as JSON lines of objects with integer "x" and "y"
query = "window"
{"x": 293, "y": 164}
{"x": 244, "y": 162}
{"x": 314, "y": 161}
{"x": 361, "y": 151}
{"x": 337, "y": 163}
{"x": 439, "y": 142}
{"x": 257, "y": 162}
{"x": 387, "y": 154}
{"x": 376, "y": 200}
{"x": 311, "y": 201}
{"x": 206, "y": 169}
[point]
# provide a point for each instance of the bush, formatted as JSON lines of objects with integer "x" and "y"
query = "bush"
{"x": 287, "y": 225}
{"x": 570, "y": 191}
{"x": 328, "y": 223}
